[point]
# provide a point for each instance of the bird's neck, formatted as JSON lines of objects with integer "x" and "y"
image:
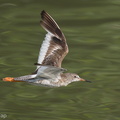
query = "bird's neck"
{"x": 62, "y": 81}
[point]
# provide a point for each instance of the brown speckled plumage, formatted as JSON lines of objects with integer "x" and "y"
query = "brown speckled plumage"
{"x": 53, "y": 50}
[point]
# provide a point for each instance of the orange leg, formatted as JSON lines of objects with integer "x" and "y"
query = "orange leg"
{"x": 10, "y": 79}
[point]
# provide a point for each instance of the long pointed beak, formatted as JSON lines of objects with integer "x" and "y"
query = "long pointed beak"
{"x": 81, "y": 79}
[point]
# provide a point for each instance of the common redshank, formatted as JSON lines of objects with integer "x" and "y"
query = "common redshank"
{"x": 52, "y": 52}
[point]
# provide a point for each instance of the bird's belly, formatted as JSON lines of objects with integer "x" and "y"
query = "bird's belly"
{"x": 48, "y": 83}
{"x": 45, "y": 82}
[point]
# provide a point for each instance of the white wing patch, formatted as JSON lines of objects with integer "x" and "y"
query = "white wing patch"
{"x": 44, "y": 47}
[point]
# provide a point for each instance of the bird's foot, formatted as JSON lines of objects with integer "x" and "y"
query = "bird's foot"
{"x": 9, "y": 79}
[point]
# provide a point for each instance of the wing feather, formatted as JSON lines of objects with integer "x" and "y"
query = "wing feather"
{"x": 54, "y": 48}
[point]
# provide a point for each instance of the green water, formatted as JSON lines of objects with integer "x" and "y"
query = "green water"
{"x": 92, "y": 29}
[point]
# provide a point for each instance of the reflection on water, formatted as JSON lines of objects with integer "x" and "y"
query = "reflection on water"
{"x": 92, "y": 30}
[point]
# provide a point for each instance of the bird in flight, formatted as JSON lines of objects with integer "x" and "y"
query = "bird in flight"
{"x": 52, "y": 52}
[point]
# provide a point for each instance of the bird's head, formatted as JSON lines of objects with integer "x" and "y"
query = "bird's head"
{"x": 76, "y": 77}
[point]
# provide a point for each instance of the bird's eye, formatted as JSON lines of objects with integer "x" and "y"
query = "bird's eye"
{"x": 75, "y": 76}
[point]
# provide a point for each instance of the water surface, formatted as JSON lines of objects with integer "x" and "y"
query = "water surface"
{"x": 92, "y": 29}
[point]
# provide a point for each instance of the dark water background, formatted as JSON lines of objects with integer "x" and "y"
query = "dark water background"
{"x": 92, "y": 29}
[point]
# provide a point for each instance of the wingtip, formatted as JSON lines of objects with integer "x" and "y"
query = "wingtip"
{"x": 42, "y": 13}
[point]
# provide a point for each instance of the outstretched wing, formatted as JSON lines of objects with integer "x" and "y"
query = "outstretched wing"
{"x": 49, "y": 72}
{"x": 54, "y": 48}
